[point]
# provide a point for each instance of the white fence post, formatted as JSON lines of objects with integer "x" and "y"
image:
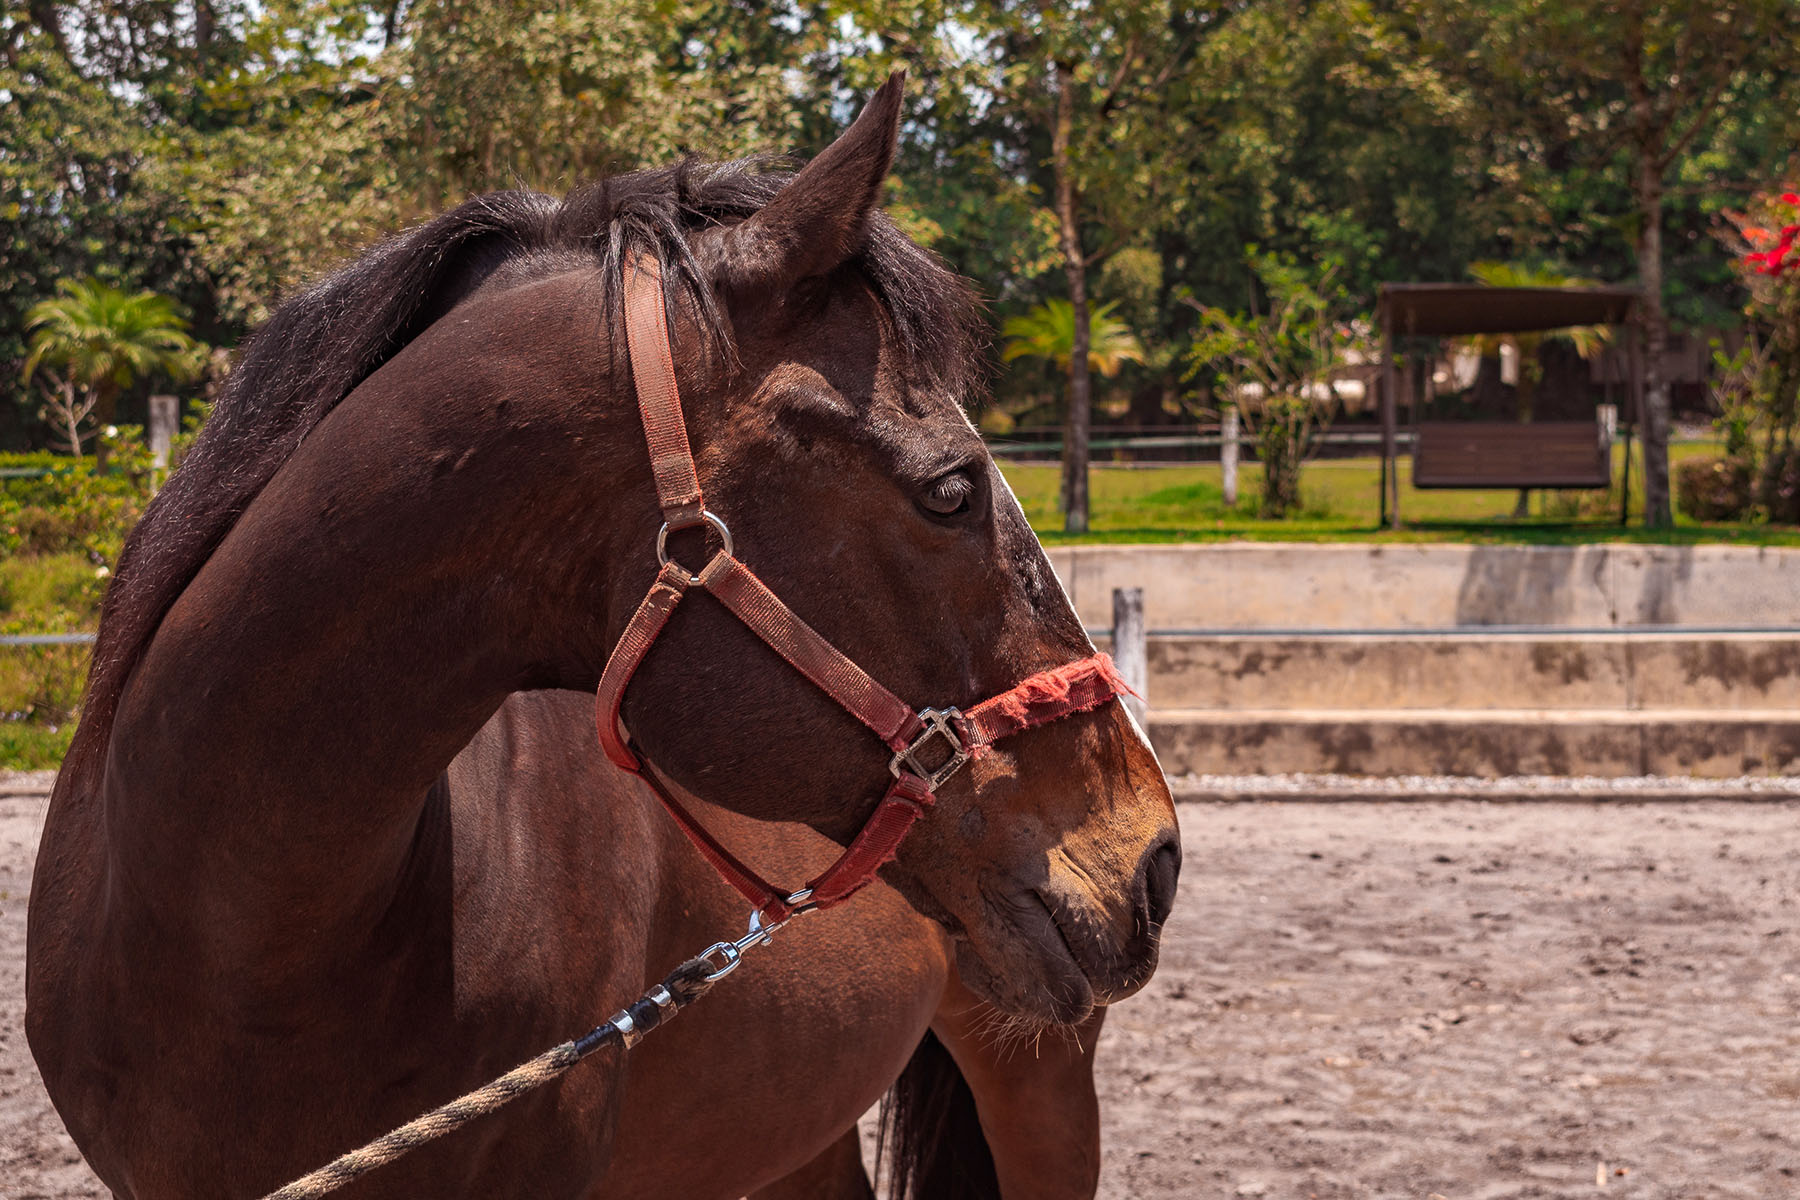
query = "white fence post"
{"x": 163, "y": 410}
{"x": 1228, "y": 452}
{"x": 1128, "y": 647}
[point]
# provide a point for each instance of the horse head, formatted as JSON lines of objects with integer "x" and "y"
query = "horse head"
{"x": 831, "y": 438}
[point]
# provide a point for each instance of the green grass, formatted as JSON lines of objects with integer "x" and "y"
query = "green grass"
{"x": 49, "y": 593}
{"x": 1340, "y": 504}
{"x": 25, "y": 746}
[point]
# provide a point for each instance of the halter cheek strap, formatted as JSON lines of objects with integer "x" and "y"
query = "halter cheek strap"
{"x": 929, "y": 746}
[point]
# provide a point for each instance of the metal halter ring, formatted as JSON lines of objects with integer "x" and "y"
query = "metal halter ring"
{"x": 711, "y": 518}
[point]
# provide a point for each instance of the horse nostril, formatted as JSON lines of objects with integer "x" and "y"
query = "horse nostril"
{"x": 1162, "y": 868}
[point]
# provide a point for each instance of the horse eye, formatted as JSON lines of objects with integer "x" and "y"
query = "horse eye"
{"x": 949, "y": 495}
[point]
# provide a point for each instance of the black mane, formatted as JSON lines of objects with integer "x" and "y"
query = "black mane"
{"x": 321, "y": 344}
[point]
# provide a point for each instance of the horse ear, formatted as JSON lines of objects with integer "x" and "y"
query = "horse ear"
{"x": 820, "y": 218}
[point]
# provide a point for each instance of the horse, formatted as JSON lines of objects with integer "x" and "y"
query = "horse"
{"x": 286, "y": 897}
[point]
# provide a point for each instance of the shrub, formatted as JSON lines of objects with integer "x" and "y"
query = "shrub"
{"x": 50, "y": 593}
{"x": 62, "y": 526}
{"x": 1715, "y": 489}
{"x": 1282, "y": 441}
{"x": 70, "y": 509}
{"x": 31, "y": 747}
{"x": 42, "y": 683}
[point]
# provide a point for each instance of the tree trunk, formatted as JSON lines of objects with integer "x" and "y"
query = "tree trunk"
{"x": 1525, "y": 390}
{"x": 70, "y": 412}
{"x": 1655, "y": 324}
{"x": 1147, "y": 402}
{"x": 206, "y": 23}
{"x": 1076, "y": 422}
{"x": 390, "y": 23}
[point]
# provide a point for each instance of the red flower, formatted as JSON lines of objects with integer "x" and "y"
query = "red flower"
{"x": 1790, "y": 197}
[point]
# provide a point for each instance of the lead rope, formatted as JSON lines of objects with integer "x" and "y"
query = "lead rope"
{"x": 655, "y": 1008}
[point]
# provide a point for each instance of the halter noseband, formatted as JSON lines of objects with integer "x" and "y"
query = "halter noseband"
{"x": 929, "y": 746}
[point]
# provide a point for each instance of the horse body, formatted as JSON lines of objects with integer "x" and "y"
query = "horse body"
{"x": 299, "y": 881}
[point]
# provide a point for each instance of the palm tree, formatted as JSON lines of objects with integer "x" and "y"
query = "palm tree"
{"x": 1587, "y": 339}
{"x": 102, "y": 340}
{"x": 1048, "y": 332}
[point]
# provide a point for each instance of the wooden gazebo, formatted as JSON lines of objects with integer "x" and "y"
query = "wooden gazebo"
{"x": 1495, "y": 454}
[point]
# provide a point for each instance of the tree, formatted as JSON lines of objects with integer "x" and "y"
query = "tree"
{"x": 103, "y": 340}
{"x": 222, "y": 152}
{"x": 1281, "y": 368}
{"x": 1048, "y": 332}
{"x": 1624, "y": 89}
{"x": 515, "y": 92}
{"x": 1083, "y": 96}
{"x": 1322, "y": 129}
{"x": 69, "y": 152}
{"x": 1109, "y": 71}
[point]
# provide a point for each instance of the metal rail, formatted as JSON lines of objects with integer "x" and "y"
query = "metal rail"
{"x": 1496, "y": 631}
{"x": 1105, "y": 631}
{"x": 1002, "y": 447}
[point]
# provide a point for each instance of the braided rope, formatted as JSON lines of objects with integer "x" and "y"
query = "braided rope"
{"x": 434, "y": 1124}
{"x": 684, "y": 985}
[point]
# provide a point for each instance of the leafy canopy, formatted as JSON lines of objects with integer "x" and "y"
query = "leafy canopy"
{"x": 1048, "y": 332}
{"x": 106, "y": 339}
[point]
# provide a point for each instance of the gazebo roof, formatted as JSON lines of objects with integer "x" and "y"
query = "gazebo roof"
{"x": 1455, "y": 309}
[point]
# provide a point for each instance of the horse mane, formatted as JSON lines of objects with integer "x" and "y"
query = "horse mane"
{"x": 320, "y": 345}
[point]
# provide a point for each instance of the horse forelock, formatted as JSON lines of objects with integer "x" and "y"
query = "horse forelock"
{"x": 320, "y": 345}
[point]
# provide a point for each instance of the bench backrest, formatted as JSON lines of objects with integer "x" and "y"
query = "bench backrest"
{"x": 1507, "y": 454}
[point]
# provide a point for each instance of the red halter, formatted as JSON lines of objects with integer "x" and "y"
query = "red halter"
{"x": 929, "y": 746}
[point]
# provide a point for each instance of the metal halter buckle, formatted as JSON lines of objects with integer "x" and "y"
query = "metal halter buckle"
{"x": 939, "y": 723}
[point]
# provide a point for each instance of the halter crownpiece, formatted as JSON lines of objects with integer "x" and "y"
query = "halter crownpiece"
{"x": 929, "y": 746}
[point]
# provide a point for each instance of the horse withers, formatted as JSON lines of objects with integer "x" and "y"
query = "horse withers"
{"x": 279, "y": 907}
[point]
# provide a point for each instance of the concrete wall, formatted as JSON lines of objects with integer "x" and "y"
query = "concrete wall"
{"x": 1446, "y": 742}
{"x": 1364, "y": 672}
{"x": 1274, "y": 585}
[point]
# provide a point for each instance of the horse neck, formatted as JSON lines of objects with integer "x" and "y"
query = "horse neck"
{"x": 438, "y": 541}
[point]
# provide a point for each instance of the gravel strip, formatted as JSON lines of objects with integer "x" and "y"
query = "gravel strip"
{"x": 1361, "y": 787}
{"x": 26, "y": 783}
{"x": 1465, "y": 787}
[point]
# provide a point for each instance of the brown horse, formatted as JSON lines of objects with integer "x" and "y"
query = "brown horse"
{"x": 287, "y": 897}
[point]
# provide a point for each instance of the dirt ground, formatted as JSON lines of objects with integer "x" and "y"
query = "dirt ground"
{"x": 1456, "y": 999}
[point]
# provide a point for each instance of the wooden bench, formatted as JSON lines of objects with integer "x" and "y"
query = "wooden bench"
{"x": 1507, "y": 454}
